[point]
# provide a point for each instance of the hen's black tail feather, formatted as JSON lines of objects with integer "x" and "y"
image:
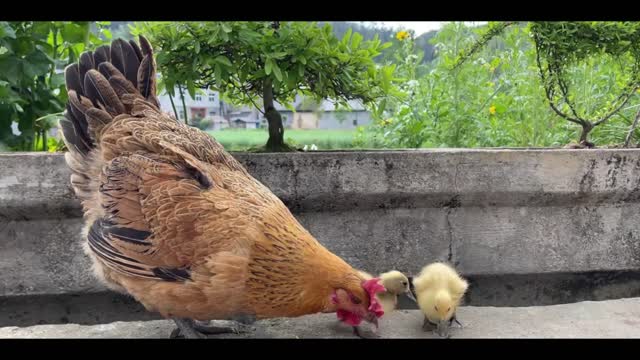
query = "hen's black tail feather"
{"x": 96, "y": 85}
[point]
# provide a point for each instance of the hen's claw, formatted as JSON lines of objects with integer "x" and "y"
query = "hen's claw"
{"x": 187, "y": 329}
{"x": 191, "y": 329}
{"x": 207, "y": 328}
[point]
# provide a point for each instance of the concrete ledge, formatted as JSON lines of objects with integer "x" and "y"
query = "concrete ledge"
{"x": 494, "y": 290}
{"x": 606, "y": 319}
{"x": 491, "y": 212}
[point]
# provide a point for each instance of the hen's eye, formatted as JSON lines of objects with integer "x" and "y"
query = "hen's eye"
{"x": 355, "y": 300}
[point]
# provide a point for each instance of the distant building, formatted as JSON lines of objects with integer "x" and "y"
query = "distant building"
{"x": 203, "y": 106}
{"x": 218, "y": 123}
{"x": 307, "y": 115}
{"x": 324, "y": 115}
{"x": 246, "y": 119}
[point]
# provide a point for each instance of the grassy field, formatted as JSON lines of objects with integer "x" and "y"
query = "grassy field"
{"x": 242, "y": 139}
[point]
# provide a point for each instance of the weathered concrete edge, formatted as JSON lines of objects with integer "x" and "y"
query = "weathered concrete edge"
{"x": 605, "y": 319}
{"x": 88, "y": 308}
{"x": 33, "y": 184}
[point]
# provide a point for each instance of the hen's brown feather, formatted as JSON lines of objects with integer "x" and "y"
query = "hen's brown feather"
{"x": 171, "y": 217}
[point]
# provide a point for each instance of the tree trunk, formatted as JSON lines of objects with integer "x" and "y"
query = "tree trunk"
{"x": 184, "y": 105}
{"x": 173, "y": 106}
{"x": 276, "y": 130}
{"x": 586, "y": 129}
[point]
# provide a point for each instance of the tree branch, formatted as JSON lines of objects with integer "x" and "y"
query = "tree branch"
{"x": 549, "y": 87}
{"x": 627, "y": 140}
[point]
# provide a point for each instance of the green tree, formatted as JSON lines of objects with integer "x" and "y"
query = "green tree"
{"x": 32, "y": 90}
{"x": 495, "y": 100}
{"x": 567, "y": 53}
{"x": 271, "y": 61}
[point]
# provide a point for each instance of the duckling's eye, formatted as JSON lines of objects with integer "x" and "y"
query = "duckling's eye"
{"x": 355, "y": 300}
{"x": 435, "y": 307}
{"x": 448, "y": 309}
{"x": 404, "y": 283}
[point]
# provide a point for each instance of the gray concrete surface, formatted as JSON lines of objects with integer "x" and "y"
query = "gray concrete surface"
{"x": 606, "y": 319}
{"x": 491, "y": 212}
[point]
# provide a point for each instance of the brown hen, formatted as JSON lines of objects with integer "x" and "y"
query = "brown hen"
{"x": 176, "y": 222}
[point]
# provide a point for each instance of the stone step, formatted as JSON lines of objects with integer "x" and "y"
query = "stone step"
{"x": 600, "y": 319}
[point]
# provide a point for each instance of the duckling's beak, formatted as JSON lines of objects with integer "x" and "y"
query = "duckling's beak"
{"x": 411, "y": 296}
{"x": 411, "y": 293}
{"x": 443, "y": 328}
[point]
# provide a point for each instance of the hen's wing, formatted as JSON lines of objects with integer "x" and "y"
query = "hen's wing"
{"x": 145, "y": 179}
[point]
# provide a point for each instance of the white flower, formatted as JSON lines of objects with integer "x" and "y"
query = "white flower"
{"x": 314, "y": 147}
{"x": 412, "y": 84}
{"x": 304, "y": 148}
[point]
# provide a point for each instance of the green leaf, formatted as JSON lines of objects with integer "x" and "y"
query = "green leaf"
{"x": 57, "y": 80}
{"x": 290, "y": 107}
{"x": 385, "y": 45}
{"x": 10, "y": 69}
{"x": 36, "y": 64}
{"x": 268, "y": 66}
{"x": 356, "y": 40}
{"x": 277, "y": 72}
{"x": 191, "y": 88}
{"x": 226, "y": 28}
{"x": 170, "y": 86}
{"x": 218, "y": 74}
{"x": 381, "y": 107}
{"x": 74, "y": 33}
{"x": 347, "y": 36}
{"x": 196, "y": 45}
{"x": 224, "y": 60}
{"x": 278, "y": 55}
{"x": 6, "y": 31}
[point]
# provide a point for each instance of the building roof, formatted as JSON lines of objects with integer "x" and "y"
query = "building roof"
{"x": 325, "y": 105}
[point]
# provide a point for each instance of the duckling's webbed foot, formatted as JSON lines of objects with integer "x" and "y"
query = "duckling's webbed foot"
{"x": 428, "y": 325}
{"x": 455, "y": 319}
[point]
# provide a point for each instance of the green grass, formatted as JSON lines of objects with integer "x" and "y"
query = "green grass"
{"x": 243, "y": 139}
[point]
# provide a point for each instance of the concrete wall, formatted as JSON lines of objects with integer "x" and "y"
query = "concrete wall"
{"x": 493, "y": 213}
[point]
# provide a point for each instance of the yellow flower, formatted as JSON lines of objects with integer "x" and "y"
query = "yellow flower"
{"x": 492, "y": 110}
{"x": 491, "y": 84}
{"x": 387, "y": 122}
{"x": 492, "y": 69}
{"x": 401, "y": 35}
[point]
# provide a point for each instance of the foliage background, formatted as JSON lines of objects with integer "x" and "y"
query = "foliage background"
{"x": 493, "y": 99}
